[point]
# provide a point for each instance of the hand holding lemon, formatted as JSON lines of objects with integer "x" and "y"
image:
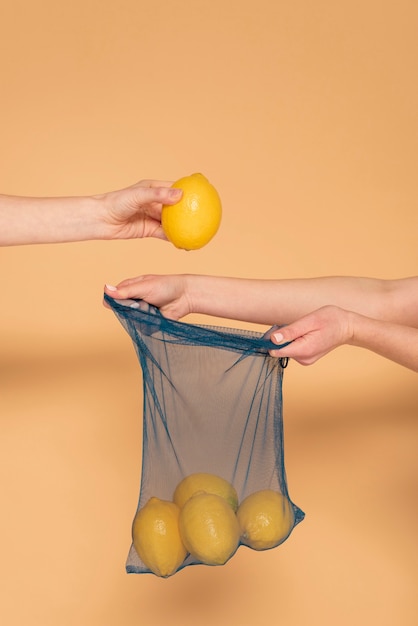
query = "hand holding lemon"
{"x": 193, "y": 221}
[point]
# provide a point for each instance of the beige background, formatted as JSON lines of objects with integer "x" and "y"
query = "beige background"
{"x": 304, "y": 116}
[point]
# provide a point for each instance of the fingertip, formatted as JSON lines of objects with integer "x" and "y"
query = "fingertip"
{"x": 175, "y": 194}
{"x": 277, "y": 338}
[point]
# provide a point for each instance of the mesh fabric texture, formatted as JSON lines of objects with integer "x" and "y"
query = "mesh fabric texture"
{"x": 212, "y": 402}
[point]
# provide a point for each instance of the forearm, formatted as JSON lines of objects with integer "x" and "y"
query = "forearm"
{"x": 284, "y": 301}
{"x": 48, "y": 220}
{"x": 393, "y": 341}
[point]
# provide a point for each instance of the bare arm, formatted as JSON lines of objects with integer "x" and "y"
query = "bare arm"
{"x": 323, "y": 330}
{"x": 274, "y": 301}
{"x": 127, "y": 213}
{"x": 316, "y": 314}
{"x": 46, "y": 220}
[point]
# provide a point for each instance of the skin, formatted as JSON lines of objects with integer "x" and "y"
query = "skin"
{"x": 316, "y": 314}
{"x": 133, "y": 212}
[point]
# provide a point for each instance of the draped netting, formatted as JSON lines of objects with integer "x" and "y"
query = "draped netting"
{"x": 212, "y": 402}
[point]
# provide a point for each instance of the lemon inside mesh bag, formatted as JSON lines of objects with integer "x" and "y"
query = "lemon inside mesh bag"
{"x": 212, "y": 403}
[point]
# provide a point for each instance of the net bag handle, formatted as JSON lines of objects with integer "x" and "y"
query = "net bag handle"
{"x": 153, "y": 321}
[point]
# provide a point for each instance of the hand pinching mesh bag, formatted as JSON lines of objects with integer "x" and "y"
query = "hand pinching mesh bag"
{"x": 213, "y": 475}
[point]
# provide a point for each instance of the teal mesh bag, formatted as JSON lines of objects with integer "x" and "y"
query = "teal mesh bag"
{"x": 212, "y": 403}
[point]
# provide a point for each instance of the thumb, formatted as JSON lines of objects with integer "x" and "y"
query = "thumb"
{"x": 282, "y": 335}
{"x": 287, "y": 334}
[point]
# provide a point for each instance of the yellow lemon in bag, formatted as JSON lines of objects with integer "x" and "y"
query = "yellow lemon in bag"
{"x": 209, "y": 528}
{"x": 203, "y": 481}
{"x": 156, "y": 537}
{"x": 193, "y": 221}
{"x": 266, "y": 518}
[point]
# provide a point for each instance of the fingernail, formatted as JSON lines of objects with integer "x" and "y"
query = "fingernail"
{"x": 111, "y": 287}
{"x": 134, "y": 305}
{"x": 175, "y": 193}
{"x": 278, "y": 337}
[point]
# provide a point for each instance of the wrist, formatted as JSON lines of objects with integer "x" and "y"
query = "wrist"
{"x": 191, "y": 293}
{"x": 362, "y": 329}
{"x": 350, "y": 327}
{"x": 98, "y": 209}
{"x": 198, "y": 293}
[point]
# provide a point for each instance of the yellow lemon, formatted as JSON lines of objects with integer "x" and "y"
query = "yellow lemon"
{"x": 209, "y": 528}
{"x": 193, "y": 221}
{"x": 156, "y": 537}
{"x": 202, "y": 481}
{"x": 266, "y": 518}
